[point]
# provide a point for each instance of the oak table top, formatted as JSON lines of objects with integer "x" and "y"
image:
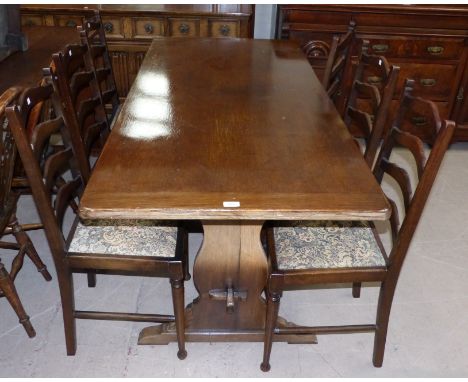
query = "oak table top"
{"x": 210, "y": 121}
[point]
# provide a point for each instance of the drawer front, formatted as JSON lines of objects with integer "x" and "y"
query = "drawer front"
{"x": 432, "y": 81}
{"x": 184, "y": 27}
{"x": 417, "y": 48}
{"x": 114, "y": 26}
{"x": 147, "y": 27}
{"x": 71, "y": 21}
{"x": 223, "y": 28}
{"x": 31, "y": 20}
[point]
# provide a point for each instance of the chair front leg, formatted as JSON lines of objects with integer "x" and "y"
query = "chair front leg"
{"x": 387, "y": 291}
{"x": 273, "y": 301}
{"x": 179, "y": 310}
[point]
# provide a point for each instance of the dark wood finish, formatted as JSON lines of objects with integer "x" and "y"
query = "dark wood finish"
{"x": 428, "y": 42}
{"x": 93, "y": 36}
{"x": 371, "y": 121}
{"x": 8, "y": 221}
{"x": 166, "y": 126}
{"x": 284, "y": 280}
{"x": 44, "y": 176}
{"x": 82, "y": 106}
{"x": 333, "y": 79}
{"x": 242, "y": 132}
{"x": 130, "y": 28}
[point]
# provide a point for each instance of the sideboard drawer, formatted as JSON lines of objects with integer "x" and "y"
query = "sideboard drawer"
{"x": 147, "y": 27}
{"x": 433, "y": 81}
{"x": 113, "y": 27}
{"x": 68, "y": 20}
{"x": 417, "y": 48}
{"x": 184, "y": 27}
{"x": 223, "y": 28}
{"x": 31, "y": 20}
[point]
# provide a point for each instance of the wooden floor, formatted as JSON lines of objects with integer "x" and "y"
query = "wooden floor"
{"x": 427, "y": 334}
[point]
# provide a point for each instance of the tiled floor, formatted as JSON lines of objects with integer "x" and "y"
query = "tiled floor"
{"x": 427, "y": 335}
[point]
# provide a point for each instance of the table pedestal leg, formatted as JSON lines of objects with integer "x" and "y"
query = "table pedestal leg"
{"x": 230, "y": 273}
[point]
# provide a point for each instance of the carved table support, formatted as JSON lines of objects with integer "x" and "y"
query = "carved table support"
{"x": 230, "y": 273}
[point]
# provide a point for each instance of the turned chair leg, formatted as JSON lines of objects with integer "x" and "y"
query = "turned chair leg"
{"x": 383, "y": 315}
{"x": 9, "y": 290}
{"x": 273, "y": 302}
{"x": 179, "y": 310}
{"x": 356, "y": 290}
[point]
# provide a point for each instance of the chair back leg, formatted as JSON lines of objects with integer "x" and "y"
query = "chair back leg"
{"x": 9, "y": 290}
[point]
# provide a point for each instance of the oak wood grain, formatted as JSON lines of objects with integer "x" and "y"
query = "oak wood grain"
{"x": 209, "y": 121}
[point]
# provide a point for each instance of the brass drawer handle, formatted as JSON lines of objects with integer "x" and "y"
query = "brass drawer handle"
{"x": 428, "y": 82}
{"x": 435, "y": 50}
{"x": 149, "y": 28}
{"x": 224, "y": 30}
{"x": 419, "y": 121}
{"x": 380, "y": 48}
{"x": 184, "y": 28}
{"x": 71, "y": 23}
{"x": 374, "y": 80}
{"x": 108, "y": 27}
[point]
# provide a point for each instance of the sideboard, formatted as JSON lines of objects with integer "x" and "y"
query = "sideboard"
{"x": 428, "y": 42}
{"x": 130, "y": 28}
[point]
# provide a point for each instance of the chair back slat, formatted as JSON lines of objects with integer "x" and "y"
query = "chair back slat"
{"x": 401, "y": 177}
{"x": 375, "y": 100}
{"x": 44, "y": 170}
{"x": 41, "y": 134}
{"x": 415, "y": 145}
{"x": 335, "y": 69}
{"x": 93, "y": 35}
{"x": 427, "y": 170}
{"x": 55, "y": 166}
{"x": 361, "y": 120}
{"x": 64, "y": 198}
{"x": 82, "y": 104}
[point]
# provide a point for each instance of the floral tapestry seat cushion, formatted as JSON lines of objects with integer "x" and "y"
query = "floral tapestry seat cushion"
{"x": 137, "y": 238}
{"x": 326, "y": 244}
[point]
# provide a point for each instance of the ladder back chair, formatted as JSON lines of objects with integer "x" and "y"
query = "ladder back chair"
{"x": 92, "y": 35}
{"x": 8, "y": 221}
{"x": 368, "y": 105}
{"x": 369, "y": 100}
{"x": 338, "y": 66}
{"x": 143, "y": 249}
{"x": 81, "y": 104}
{"x": 307, "y": 253}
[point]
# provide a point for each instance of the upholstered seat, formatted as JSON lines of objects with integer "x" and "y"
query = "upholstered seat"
{"x": 326, "y": 244}
{"x": 141, "y": 239}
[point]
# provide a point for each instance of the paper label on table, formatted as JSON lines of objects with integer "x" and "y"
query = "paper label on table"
{"x": 231, "y": 204}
